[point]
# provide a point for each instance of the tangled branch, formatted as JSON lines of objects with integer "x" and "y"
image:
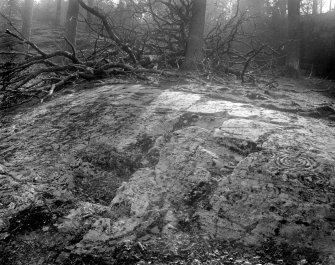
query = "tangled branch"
{"x": 43, "y": 73}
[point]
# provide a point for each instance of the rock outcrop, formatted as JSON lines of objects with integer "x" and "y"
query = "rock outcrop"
{"x": 141, "y": 164}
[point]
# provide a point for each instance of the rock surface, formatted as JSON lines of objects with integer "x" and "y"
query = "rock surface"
{"x": 187, "y": 162}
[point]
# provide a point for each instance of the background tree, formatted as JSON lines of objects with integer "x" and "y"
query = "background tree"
{"x": 27, "y": 15}
{"x": 315, "y": 7}
{"x": 169, "y": 34}
{"x": 292, "y": 47}
{"x": 195, "y": 44}
{"x": 256, "y": 7}
{"x": 58, "y": 12}
{"x": 10, "y": 17}
{"x": 71, "y": 24}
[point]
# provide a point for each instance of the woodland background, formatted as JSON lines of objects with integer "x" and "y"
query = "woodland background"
{"x": 48, "y": 43}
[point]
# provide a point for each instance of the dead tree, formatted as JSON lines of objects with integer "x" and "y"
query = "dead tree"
{"x": 195, "y": 43}
{"x": 111, "y": 33}
{"x": 166, "y": 30}
{"x": 39, "y": 76}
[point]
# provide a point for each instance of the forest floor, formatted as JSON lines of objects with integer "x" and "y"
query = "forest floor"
{"x": 182, "y": 172}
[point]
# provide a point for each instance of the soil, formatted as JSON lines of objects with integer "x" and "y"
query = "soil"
{"x": 181, "y": 172}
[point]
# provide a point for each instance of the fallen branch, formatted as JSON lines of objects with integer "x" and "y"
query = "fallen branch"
{"x": 59, "y": 84}
{"x": 40, "y": 76}
{"x": 72, "y": 48}
{"x": 44, "y": 55}
{"x": 34, "y": 46}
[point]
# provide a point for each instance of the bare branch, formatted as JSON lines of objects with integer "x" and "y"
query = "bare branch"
{"x": 109, "y": 30}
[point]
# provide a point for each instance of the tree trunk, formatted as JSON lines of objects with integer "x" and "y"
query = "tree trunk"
{"x": 27, "y": 16}
{"x": 292, "y": 47}
{"x": 58, "y": 13}
{"x": 71, "y": 24}
{"x": 194, "y": 49}
{"x": 321, "y": 4}
{"x": 315, "y": 7}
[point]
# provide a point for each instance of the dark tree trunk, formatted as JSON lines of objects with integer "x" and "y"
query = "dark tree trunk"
{"x": 58, "y": 13}
{"x": 71, "y": 24}
{"x": 292, "y": 47}
{"x": 194, "y": 49}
